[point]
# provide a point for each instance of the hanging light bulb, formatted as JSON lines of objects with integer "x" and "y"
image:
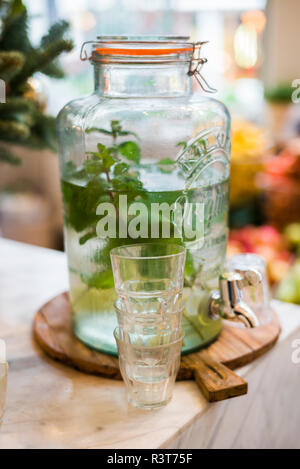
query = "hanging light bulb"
{"x": 245, "y": 46}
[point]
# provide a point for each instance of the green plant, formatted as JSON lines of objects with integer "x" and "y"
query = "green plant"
{"x": 22, "y": 120}
{"x": 281, "y": 93}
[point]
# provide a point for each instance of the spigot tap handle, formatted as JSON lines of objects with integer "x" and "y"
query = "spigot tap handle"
{"x": 228, "y": 302}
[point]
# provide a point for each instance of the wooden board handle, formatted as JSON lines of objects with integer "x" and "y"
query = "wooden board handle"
{"x": 216, "y": 381}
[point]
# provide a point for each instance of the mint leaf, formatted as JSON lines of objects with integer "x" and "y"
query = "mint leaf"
{"x": 97, "y": 129}
{"x": 182, "y": 144}
{"x": 99, "y": 279}
{"x": 127, "y": 184}
{"x": 166, "y": 165}
{"x": 126, "y": 132}
{"x": 93, "y": 165}
{"x": 104, "y": 154}
{"x": 130, "y": 150}
{"x": 86, "y": 237}
{"x": 80, "y": 202}
{"x": 189, "y": 270}
{"x": 121, "y": 168}
{"x": 166, "y": 161}
{"x": 69, "y": 168}
{"x": 116, "y": 130}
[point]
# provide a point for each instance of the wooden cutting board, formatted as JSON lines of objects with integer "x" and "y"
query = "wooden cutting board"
{"x": 211, "y": 367}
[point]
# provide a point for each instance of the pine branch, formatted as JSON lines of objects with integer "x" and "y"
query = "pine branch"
{"x": 6, "y": 156}
{"x": 16, "y": 6}
{"x": 15, "y": 35}
{"x": 45, "y": 130}
{"x": 37, "y": 60}
{"x": 12, "y": 131}
{"x": 56, "y": 32}
{"x": 20, "y": 110}
{"x": 16, "y": 105}
{"x": 21, "y": 120}
{"x": 11, "y": 63}
{"x": 34, "y": 141}
{"x": 53, "y": 70}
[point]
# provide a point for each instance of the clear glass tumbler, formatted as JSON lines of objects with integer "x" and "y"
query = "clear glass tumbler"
{"x": 149, "y": 280}
{"x": 149, "y": 369}
{"x": 148, "y": 323}
{"x": 145, "y": 330}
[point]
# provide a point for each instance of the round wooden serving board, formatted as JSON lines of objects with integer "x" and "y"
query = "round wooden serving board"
{"x": 234, "y": 347}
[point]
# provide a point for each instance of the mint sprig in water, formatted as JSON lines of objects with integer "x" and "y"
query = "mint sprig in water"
{"x": 108, "y": 172}
{"x": 115, "y": 131}
{"x": 105, "y": 171}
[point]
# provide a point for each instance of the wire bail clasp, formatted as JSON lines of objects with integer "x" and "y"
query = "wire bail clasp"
{"x": 196, "y": 65}
{"x": 83, "y": 53}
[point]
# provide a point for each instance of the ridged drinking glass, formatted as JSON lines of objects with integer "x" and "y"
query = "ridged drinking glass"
{"x": 149, "y": 282}
{"x": 149, "y": 368}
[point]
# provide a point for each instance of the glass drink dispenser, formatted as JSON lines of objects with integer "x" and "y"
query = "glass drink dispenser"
{"x": 143, "y": 160}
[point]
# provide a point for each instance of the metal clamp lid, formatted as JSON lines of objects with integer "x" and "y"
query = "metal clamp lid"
{"x": 185, "y": 52}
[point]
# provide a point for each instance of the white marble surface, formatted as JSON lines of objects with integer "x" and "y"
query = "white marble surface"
{"x": 50, "y": 405}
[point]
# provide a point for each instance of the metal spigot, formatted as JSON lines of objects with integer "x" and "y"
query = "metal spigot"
{"x": 228, "y": 303}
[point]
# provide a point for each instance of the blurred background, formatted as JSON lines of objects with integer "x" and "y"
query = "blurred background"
{"x": 252, "y": 61}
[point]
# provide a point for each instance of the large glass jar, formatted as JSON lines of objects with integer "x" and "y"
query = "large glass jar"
{"x": 142, "y": 159}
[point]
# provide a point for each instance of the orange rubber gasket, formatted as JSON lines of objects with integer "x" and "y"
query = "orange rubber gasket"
{"x": 108, "y": 51}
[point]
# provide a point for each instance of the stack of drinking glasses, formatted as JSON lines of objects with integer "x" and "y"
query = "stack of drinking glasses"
{"x": 149, "y": 282}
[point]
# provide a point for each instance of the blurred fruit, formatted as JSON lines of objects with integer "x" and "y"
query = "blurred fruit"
{"x": 269, "y": 235}
{"x": 266, "y": 241}
{"x": 277, "y": 270}
{"x": 289, "y": 288}
{"x": 292, "y": 234}
{"x": 248, "y": 148}
{"x": 281, "y": 182}
{"x": 233, "y": 248}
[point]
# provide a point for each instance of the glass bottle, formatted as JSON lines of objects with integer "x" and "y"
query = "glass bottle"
{"x": 143, "y": 159}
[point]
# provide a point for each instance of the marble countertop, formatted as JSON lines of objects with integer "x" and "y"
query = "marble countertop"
{"x": 52, "y": 406}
